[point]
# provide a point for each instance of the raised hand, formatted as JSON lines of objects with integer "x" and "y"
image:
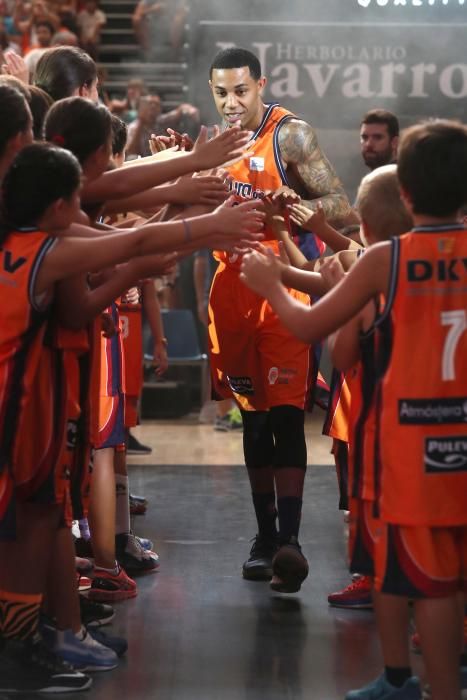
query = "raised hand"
{"x": 307, "y": 218}
{"x": 223, "y": 149}
{"x": 209, "y": 190}
{"x": 284, "y": 197}
{"x": 237, "y": 225}
{"x": 260, "y": 271}
{"x": 331, "y": 271}
{"x": 15, "y": 65}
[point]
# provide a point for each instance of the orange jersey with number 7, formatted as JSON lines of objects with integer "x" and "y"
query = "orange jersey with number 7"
{"x": 423, "y": 400}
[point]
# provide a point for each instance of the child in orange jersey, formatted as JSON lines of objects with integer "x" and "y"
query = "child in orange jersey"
{"x": 421, "y": 454}
{"x": 41, "y": 198}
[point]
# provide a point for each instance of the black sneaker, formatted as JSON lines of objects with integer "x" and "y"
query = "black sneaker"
{"x": 290, "y": 568}
{"x": 258, "y": 566}
{"x": 132, "y": 556}
{"x": 135, "y": 447}
{"x": 94, "y": 614}
{"x": 28, "y": 667}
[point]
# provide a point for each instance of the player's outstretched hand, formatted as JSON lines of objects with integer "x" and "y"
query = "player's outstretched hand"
{"x": 261, "y": 271}
{"x": 308, "y": 219}
{"x": 224, "y": 149}
{"x": 285, "y": 197}
{"x": 331, "y": 271}
{"x": 238, "y": 225}
{"x": 209, "y": 190}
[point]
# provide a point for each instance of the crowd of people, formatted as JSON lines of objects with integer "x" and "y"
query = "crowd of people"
{"x": 85, "y": 230}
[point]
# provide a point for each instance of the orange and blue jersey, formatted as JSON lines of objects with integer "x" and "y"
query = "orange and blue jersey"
{"x": 422, "y": 407}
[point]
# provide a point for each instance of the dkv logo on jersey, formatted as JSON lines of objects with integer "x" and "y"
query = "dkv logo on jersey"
{"x": 445, "y": 454}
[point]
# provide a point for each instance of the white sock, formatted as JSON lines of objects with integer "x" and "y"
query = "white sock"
{"x": 122, "y": 520}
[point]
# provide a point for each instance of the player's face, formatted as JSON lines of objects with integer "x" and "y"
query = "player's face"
{"x": 377, "y": 147}
{"x": 238, "y": 96}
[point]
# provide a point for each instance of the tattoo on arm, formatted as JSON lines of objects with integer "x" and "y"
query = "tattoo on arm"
{"x": 303, "y": 157}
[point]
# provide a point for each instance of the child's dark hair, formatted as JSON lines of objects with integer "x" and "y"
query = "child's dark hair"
{"x": 78, "y": 125}
{"x": 40, "y": 103}
{"x": 237, "y": 58}
{"x": 39, "y": 176}
{"x": 62, "y": 70}
{"x": 119, "y": 135}
{"x": 15, "y": 116}
{"x": 432, "y": 167}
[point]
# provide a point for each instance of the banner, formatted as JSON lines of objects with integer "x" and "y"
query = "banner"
{"x": 329, "y": 62}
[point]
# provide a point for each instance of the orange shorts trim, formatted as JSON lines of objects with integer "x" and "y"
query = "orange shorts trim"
{"x": 421, "y": 562}
{"x": 254, "y": 358}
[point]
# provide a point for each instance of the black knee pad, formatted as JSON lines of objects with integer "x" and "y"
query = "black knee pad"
{"x": 258, "y": 442}
{"x": 288, "y": 428}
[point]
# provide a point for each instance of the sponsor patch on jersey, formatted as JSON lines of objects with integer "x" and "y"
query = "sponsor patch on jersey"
{"x": 257, "y": 164}
{"x": 445, "y": 454}
{"x": 281, "y": 375}
{"x": 241, "y": 385}
{"x": 433, "y": 411}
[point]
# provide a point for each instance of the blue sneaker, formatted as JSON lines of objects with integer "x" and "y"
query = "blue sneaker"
{"x": 118, "y": 644}
{"x": 83, "y": 654}
{"x": 380, "y": 689}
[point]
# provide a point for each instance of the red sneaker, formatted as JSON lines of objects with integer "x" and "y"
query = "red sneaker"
{"x": 108, "y": 587}
{"x": 357, "y": 595}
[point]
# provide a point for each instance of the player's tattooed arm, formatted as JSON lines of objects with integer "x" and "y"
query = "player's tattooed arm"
{"x": 304, "y": 159}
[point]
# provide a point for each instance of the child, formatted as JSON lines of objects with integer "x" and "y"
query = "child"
{"x": 423, "y": 277}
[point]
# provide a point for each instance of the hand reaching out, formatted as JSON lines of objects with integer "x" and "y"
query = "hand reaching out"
{"x": 307, "y": 218}
{"x": 261, "y": 271}
{"x": 331, "y": 271}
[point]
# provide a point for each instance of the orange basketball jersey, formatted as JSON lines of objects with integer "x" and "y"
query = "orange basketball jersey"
{"x": 261, "y": 172}
{"x": 336, "y": 423}
{"x": 31, "y": 398}
{"x": 423, "y": 406}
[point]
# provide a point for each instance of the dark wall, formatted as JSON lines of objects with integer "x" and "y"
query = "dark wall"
{"x": 329, "y": 61}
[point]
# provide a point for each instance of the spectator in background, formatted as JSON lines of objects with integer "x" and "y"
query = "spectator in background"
{"x": 151, "y": 121}
{"x": 44, "y": 31}
{"x": 127, "y": 109}
{"x": 379, "y": 138}
{"x": 160, "y": 28}
{"x": 64, "y": 37}
{"x": 90, "y": 22}
{"x": 28, "y": 17}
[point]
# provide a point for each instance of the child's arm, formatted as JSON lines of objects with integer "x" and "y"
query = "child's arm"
{"x": 315, "y": 221}
{"x": 367, "y": 278}
{"x": 344, "y": 344}
{"x": 226, "y": 227}
{"x": 152, "y": 311}
{"x": 74, "y": 292}
{"x": 187, "y": 190}
{"x": 115, "y": 184}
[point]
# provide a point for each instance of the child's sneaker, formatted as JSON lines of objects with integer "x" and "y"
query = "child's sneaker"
{"x": 231, "y": 421}
{"x": 357, "y": 595}
{"x": 132, "y": 556}
{"x": 109, "y": 587}
{"x": 28, "y": 667}
{"x": 380, "y": 689}
{"x": 95, "y": 614}
{"x": 83, "y": 654}
{"x": 289, "y": 568}
{"x": 118, "y": 644}
{"x": 138, "y": 505}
